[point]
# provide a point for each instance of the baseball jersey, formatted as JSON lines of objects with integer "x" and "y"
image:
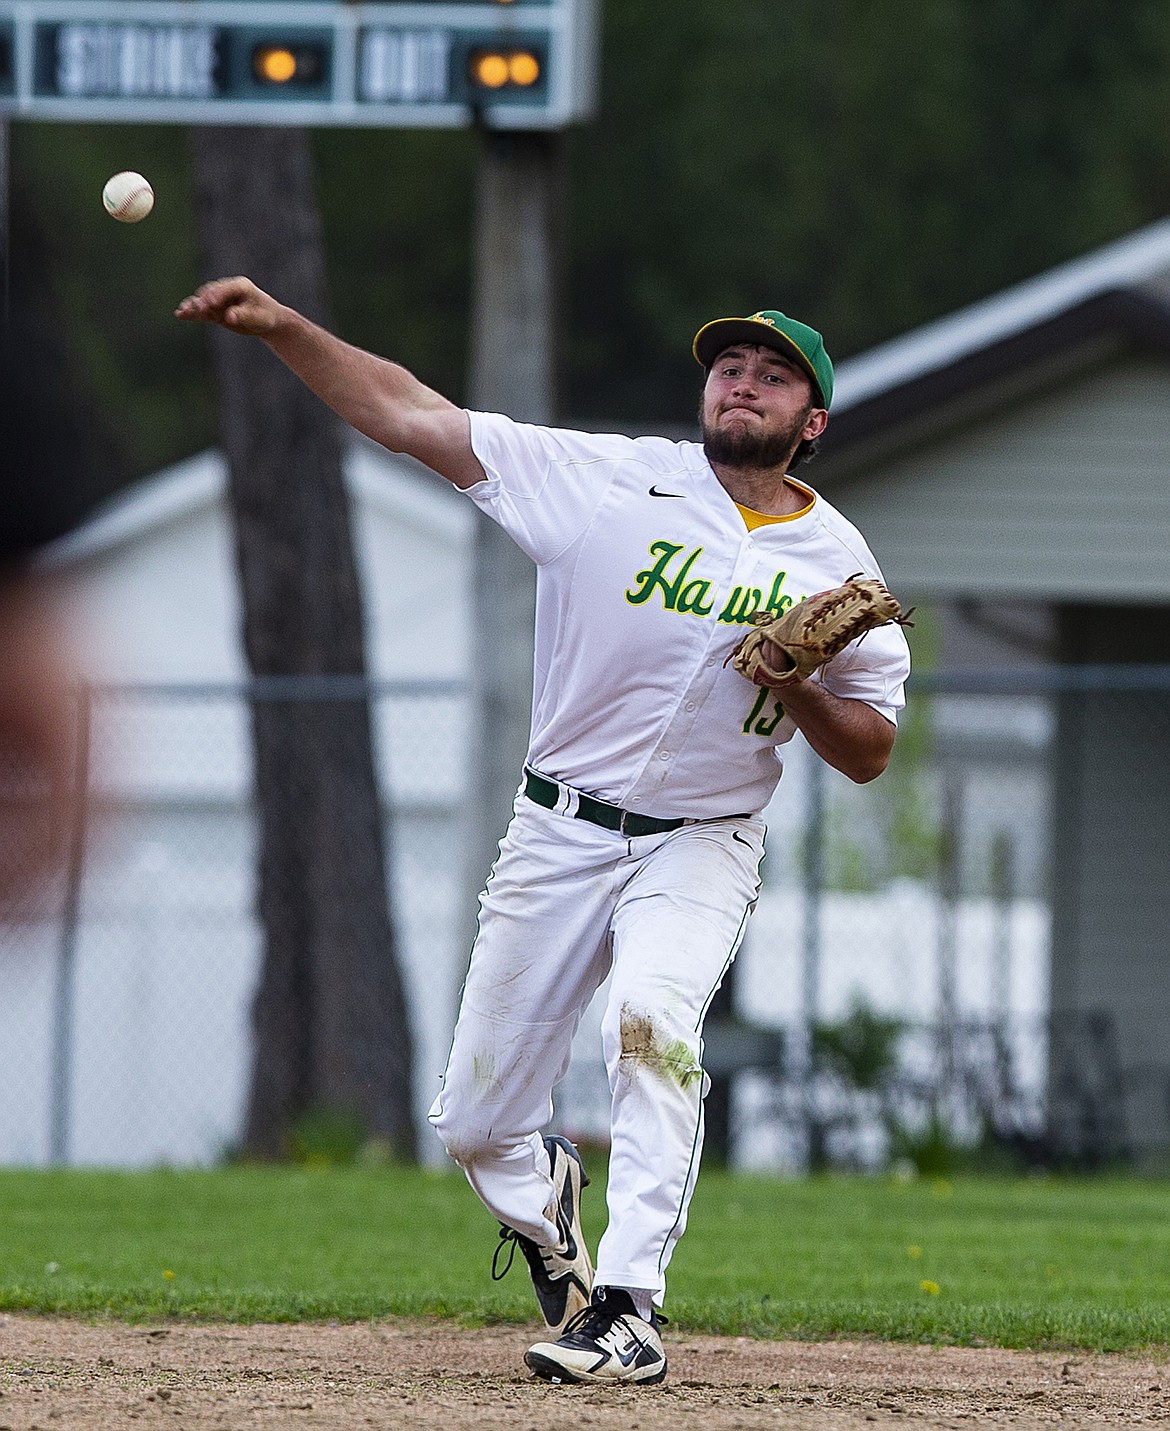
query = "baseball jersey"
{"x": 647, "y": 577}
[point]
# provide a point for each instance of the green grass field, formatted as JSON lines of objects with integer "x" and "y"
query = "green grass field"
{"x": 1020, "y": 1263}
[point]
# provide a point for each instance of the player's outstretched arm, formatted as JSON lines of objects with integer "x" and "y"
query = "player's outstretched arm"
{"x": 382, "y": 399}
{"x": 850, "y": 735}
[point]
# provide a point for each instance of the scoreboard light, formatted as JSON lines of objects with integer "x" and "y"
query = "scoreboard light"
{"x": 499, "y": 68}
{"x": 274, "y": 63}
{"x": 293, "y": 65}
{"x": 523, "y": 69}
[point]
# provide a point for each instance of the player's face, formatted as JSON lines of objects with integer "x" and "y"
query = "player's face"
{"x": 757, "y": 407}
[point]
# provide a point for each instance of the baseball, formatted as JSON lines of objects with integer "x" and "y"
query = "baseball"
{"x": 128, "y": 197}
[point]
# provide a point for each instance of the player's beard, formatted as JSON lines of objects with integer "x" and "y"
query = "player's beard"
{"x": 739, "y": 448}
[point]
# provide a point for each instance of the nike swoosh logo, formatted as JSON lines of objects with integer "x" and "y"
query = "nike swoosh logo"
{"x": 627, "y": 1353}
{"x": 565, "y": 1222}
{"x": 735, "y": 835}
{"x": 566, "y": 1228}
{"x": 654, "y": 492}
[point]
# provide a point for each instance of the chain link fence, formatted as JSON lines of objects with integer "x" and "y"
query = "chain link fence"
{"x": 893, "y": 1002}
{"x": 126, "y": 1029}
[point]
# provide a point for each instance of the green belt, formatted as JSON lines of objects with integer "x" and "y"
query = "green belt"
{"x": 597, "y": 812}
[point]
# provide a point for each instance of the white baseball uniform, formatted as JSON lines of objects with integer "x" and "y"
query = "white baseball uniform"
{"x": 647, "y": 574}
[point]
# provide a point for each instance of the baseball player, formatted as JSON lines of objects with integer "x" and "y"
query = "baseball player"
{"x": 636, "y": 838}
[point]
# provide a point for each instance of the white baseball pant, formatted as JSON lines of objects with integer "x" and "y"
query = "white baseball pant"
{"x": 565, "y": 901}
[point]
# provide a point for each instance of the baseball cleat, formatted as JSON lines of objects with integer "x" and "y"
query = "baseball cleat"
{"x": 563, "y": 1275}
{"x": 605, "y": 1341}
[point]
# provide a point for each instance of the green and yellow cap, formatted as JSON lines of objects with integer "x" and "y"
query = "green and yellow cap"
{"x": 775, "y": 330}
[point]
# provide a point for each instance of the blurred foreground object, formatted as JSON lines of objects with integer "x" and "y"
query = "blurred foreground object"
{"x": 52, "y": 451}
{"x": 36, "y": 739}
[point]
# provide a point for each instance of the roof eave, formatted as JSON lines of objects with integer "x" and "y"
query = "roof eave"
{"x": 984, "y": 378}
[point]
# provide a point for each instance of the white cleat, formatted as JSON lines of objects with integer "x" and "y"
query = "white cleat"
{"x": 606, "y": 1341}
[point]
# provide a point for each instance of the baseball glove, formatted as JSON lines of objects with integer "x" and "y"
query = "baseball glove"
{"x": 812, "y": 632}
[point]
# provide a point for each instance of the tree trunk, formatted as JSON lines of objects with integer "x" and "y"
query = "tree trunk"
{"x": 330, "y": 1018}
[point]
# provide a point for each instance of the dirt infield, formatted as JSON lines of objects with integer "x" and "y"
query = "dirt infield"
{"x": 66, "y": 1374}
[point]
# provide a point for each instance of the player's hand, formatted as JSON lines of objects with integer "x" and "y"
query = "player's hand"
{"x": 776, "y": 659}
{"x": 234, "y": 303}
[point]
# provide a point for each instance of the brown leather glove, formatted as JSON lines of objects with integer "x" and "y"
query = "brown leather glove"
{"x": 812, "y": 632}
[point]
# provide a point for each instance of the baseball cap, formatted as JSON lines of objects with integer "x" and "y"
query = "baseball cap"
{"x": 774, "y": 330}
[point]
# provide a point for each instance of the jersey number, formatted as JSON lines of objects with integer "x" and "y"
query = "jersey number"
{"x": 761, "y": 722}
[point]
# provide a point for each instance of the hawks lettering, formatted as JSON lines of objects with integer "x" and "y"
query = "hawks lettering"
{"x": 745, "y": 601}
{"x": 679, "y": 591}
{"x": 681, "y": 588}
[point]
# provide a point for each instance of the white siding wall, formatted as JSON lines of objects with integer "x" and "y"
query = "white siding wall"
{"x": 1063, "y": 497}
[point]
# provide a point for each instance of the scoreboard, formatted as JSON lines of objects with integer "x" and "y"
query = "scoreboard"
{"x": 433, "y": 64}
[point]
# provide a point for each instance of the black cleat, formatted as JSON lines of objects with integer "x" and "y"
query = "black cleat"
{"x": 563, "y": 1275}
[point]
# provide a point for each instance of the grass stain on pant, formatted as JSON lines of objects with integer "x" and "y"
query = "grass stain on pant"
{"x": 643, "y": 1046}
